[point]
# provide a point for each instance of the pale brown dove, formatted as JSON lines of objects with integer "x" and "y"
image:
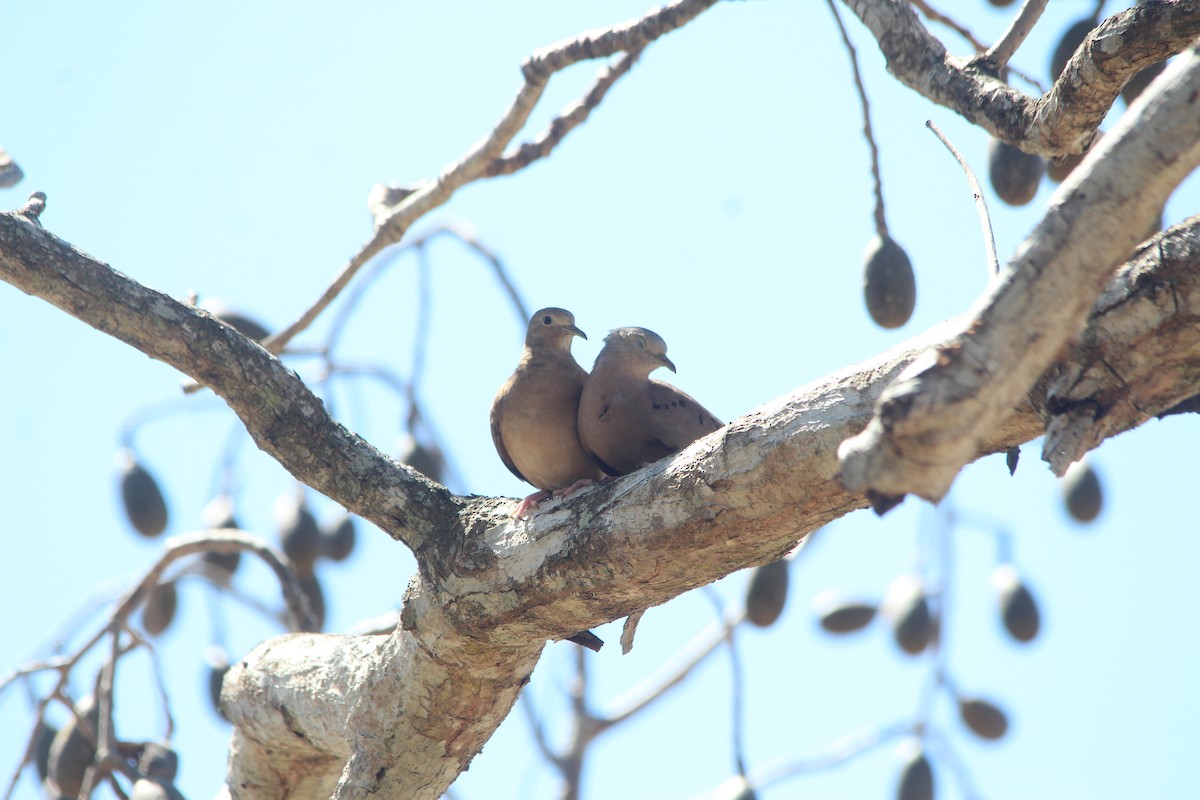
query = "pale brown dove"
{"x": 534, "y": 415}
{"x": 627, "y": 420}
{"x": 534, "y": 418}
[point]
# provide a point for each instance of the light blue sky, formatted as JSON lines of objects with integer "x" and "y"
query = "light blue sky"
{"x": 720, "y": 196}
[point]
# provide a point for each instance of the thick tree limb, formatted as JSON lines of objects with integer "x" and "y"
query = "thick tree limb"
{"x": 739, "y": 497}
{"x": 493, "y": 590}
{"x": 421, "y": 701}
{"x": 1123, "y": 364}
{"x": 1065, "y": 119}
{"x": 933, "y": 420}
{"x": 282, "y": 415}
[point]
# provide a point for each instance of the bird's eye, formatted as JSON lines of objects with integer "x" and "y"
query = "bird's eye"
{"x": 546, "y": 320}
{"x": 641, "y": 343}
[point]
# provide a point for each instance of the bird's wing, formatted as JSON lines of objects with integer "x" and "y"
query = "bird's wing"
{"x": 674, "y": 419}
{"x": 498, "y": 437}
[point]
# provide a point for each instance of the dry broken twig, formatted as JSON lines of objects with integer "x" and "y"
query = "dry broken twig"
{"x": 487, "y": 158}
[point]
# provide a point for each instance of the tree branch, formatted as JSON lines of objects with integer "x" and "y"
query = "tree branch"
{"x": 742, "y": 496}
{"x": 492, "y": 590}
{"x": 1003, "y": 50}
{"x": 1064, "y": 120}
{"x": 486, "y": 158}
{"x": 1122, "y": 366}
{"x": 932, "y": 421}
{"x": 285, "y": 419}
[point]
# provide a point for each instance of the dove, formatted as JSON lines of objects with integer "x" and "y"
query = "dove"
{"x": 627, "y": 420}
{"x": 534, "y": 415}
{"x": 534, "y": 419}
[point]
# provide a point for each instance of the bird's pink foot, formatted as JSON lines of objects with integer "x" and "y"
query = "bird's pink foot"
{"x": 582, "y": 483}
{"x": 529, "y": 504}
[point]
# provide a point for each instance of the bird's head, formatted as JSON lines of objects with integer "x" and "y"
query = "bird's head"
{"x": 552, "y": 327}
{"x": 641, "y": 349}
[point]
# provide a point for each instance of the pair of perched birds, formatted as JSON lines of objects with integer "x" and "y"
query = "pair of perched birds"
{"x": 560, "y": 429}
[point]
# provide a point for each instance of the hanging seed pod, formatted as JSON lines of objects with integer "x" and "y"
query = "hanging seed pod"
{"x": 1082, "y": 492}
{"x": 1068, "y": 44}
{"x": 160, "y": 607}
{"x": 218, "y": 514}
{"x": 428, "y": 461}
{"x": 1014, "y": 174}
{"x": 143, "y": 500}
{"x": 1138, "y": 83}
{"x": 908, "y": 607}
{"x": 299, "y": 534}
{"x": 1018, "y": 610}
{"x": 72, "y": 750}
{"x": 1011, "y": 457}
{"x": 158, "y": 761}
{"x": 889, "y": 285}
{"x": 337, "y": 543}
{"x": 767, "y": 593}
{"x": 217, "y": 662}
{"x": 10, "y": 172}
{"x": 982, "y": 718}
{"x": 916, "y": 774}
{"x": 838, "y": 615}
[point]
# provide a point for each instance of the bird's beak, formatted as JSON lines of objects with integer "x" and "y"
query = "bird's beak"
{"x": 666, "y": 362}
{"x": 576, "y": 332}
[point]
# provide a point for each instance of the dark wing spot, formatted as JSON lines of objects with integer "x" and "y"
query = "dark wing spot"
{"x": 603, "y": 411}
{"x": 655, "y": 406}
{"x": 682, "y": 403}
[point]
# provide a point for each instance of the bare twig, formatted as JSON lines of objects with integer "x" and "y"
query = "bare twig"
{"x": 518, "y": 303}
{"x": 570, "y": 763}
{"x": 106, "y": 757}
{"x": 177, "y": 547}
{"x": 457, "y": 233}
{"x": 838, "y": 752}
{"x": 737, "y": 682}
{"x": 985, "y": 221}
{"x": 538, "y": 69}
{"x": 539, "y": 731}
{"x": 947, "y": 757}
{"x": 570, "y": 118}
{"x": 692, "y": 655}
{"x": 421, "y": 333}
{"x": 934, "y": 15}
{"x": 1003, "y": 50}
{"x": 880, "y": 220}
